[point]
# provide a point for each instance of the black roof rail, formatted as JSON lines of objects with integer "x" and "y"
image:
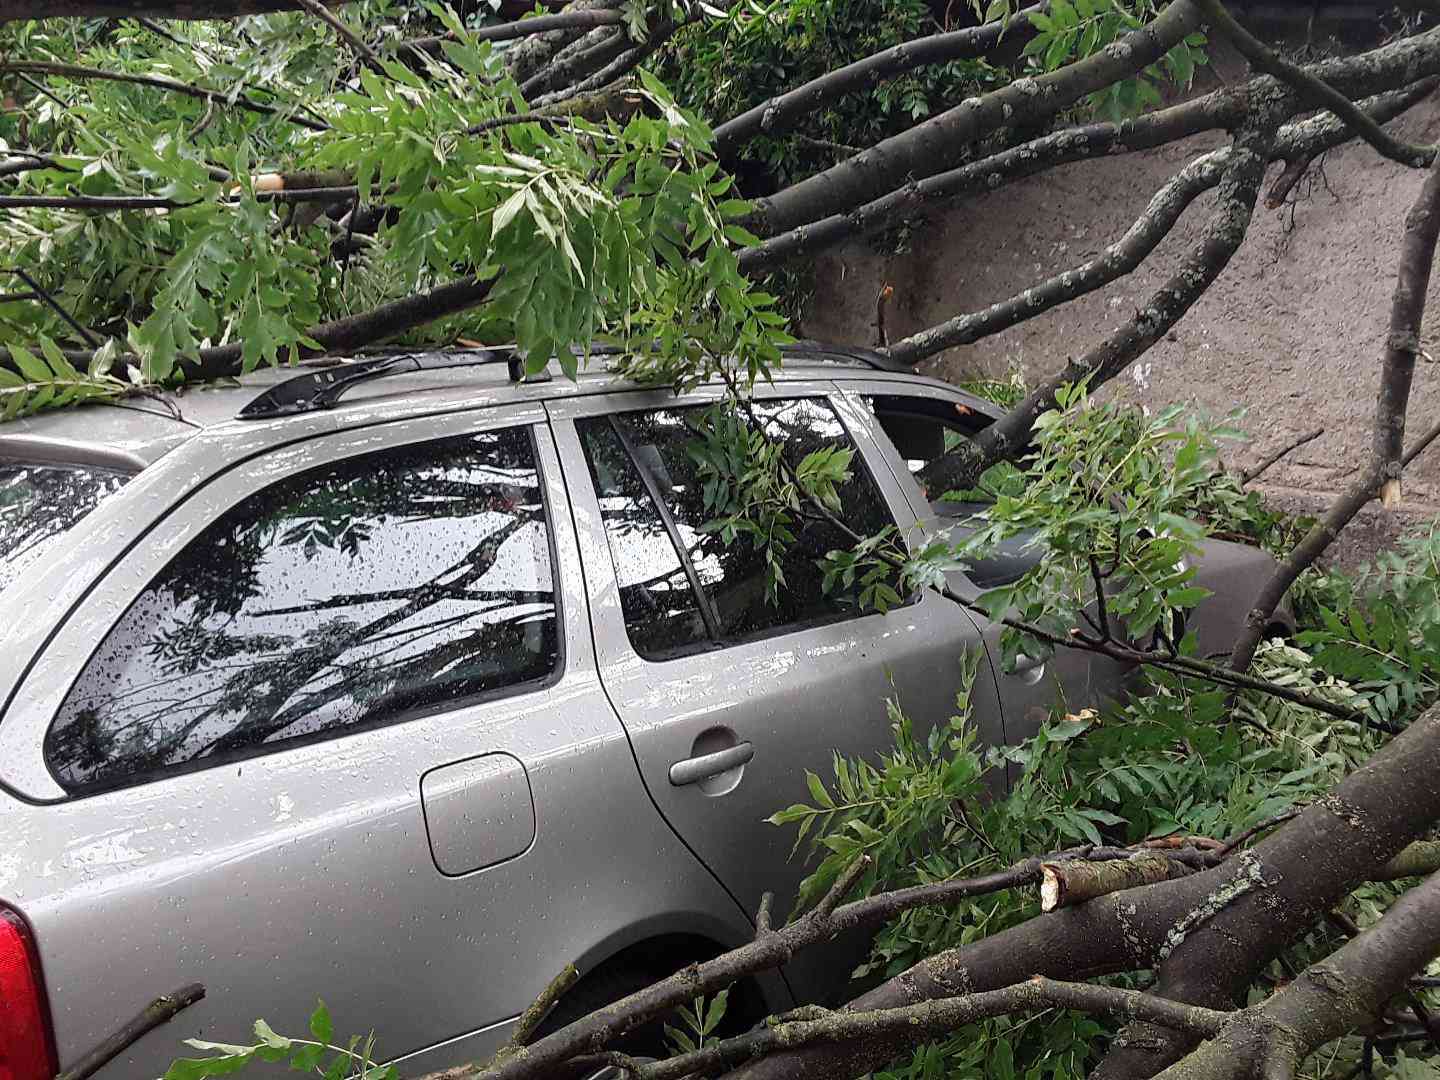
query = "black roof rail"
{"x": 854, "y": 355}
{"x": 323, "y": 388}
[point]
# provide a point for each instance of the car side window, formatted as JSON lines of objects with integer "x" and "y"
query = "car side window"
{"x": 351, "y": 595}
{"x": 923, "y": 430}
{"x": 730, "y": 577}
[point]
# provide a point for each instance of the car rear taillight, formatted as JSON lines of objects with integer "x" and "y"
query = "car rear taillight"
{"x": 27, "y": 1045}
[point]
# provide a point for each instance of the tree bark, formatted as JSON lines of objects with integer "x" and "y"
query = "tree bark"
{"x": 1382, "y": 473}
{"x": 1226, "y": 923}
{"x": 938, "y": 144}
{"x": 784, "y": 111}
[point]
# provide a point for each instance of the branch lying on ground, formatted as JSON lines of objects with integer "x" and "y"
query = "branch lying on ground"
{"x": 923, "y": 1020}
{"x": 1347, "y": 989}
{"x": 828, "y": 918}
{"x": 160, "y": 82}
{"x": 1313, "y": 89}
{"x": 1250, "y": 907}
{"x": 1381, "y": 476}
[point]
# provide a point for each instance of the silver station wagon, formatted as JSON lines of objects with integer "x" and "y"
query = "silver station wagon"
{"x": 404, "y": 683}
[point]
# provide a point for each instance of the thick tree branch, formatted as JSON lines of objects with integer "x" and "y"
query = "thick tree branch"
{"x": 1331, "y": 998}
{"x": 1238, "y": 190}
{"x": 1233, "y": 918}
{"x": 1247, "y": 475}
{"x": 1381, "y": 476}
{"x": 931, "y": 1019}
{"x": 938, "y": 143}
{"x": 1402, "y": 64}
{"x": 781, "y": 113}
{"x": 1125, "y": 255}
{"x": 1066, "y": 883}
{"x": 1313, "y": 89}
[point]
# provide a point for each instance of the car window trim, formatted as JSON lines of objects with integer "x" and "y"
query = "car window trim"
{"x": 533, "y": 685}
{"x": 652, "y": 487}
{"x": 719, "y": 640}
{"x": 30, "y": 728}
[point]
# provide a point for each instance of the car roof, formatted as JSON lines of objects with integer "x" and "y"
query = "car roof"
{"x": 132, "y": 433}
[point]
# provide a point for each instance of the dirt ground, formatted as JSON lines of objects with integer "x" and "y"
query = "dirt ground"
{"x": 1293, "y": 330}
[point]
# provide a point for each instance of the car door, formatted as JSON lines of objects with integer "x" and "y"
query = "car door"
{"x": 729, "y": 697}
{"x": 911, "y": 422}
{"x": 343, "y": 737}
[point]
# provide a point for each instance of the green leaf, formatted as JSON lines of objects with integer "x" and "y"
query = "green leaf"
{"x": 31, "y": 366}
{"x": 264, "y": 1033}
{"x": 321, "y": 1027}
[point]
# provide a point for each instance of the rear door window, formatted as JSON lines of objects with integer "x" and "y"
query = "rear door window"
{"x": 40, "y": 502}
{"x": 633, "y": 455}
{"x": 351, "y": 595}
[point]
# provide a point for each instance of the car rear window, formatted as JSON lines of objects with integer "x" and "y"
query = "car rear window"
{"x": 39, "y": 502}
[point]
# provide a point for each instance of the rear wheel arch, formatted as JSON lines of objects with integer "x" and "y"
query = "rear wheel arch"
{"x": 648, "y": 960}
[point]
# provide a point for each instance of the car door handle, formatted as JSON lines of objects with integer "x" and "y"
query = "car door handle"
{"x": 692, "y": 770}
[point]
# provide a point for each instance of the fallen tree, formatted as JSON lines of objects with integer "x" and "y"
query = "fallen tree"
{"x": 554, "y": 192}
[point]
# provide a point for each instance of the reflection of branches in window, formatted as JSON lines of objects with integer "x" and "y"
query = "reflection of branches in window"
{"x": 39, "y": 502}
{"x": 207, "y": 688}
{"x": 263, "y": 720}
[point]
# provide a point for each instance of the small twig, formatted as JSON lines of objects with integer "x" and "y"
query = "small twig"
{"x": 1255, "y": 830}
{"x": 40, "y": 89}
{"x": 59, "y": 309}
{"x": 1247, "y": 475}
{"x": 1102, "y": 608}
{"x": 342, "y": 29}
{"x": 826, "y": 144}
{"x": 843, "y": 884}
{"x": 1420, "y": 445}
{"x": 158, "y": 1012}
{"x": 762, "y": 917}
{"x": 549, "y": 119}
{"x": 102, "y": 204}
{"x": 1285, "y": 183}
{"x": 1422, "y": 1014}
{"x": 532, "y": 1018}
{"x": 881, "y": 299}
{"x": 160, "y": 82}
